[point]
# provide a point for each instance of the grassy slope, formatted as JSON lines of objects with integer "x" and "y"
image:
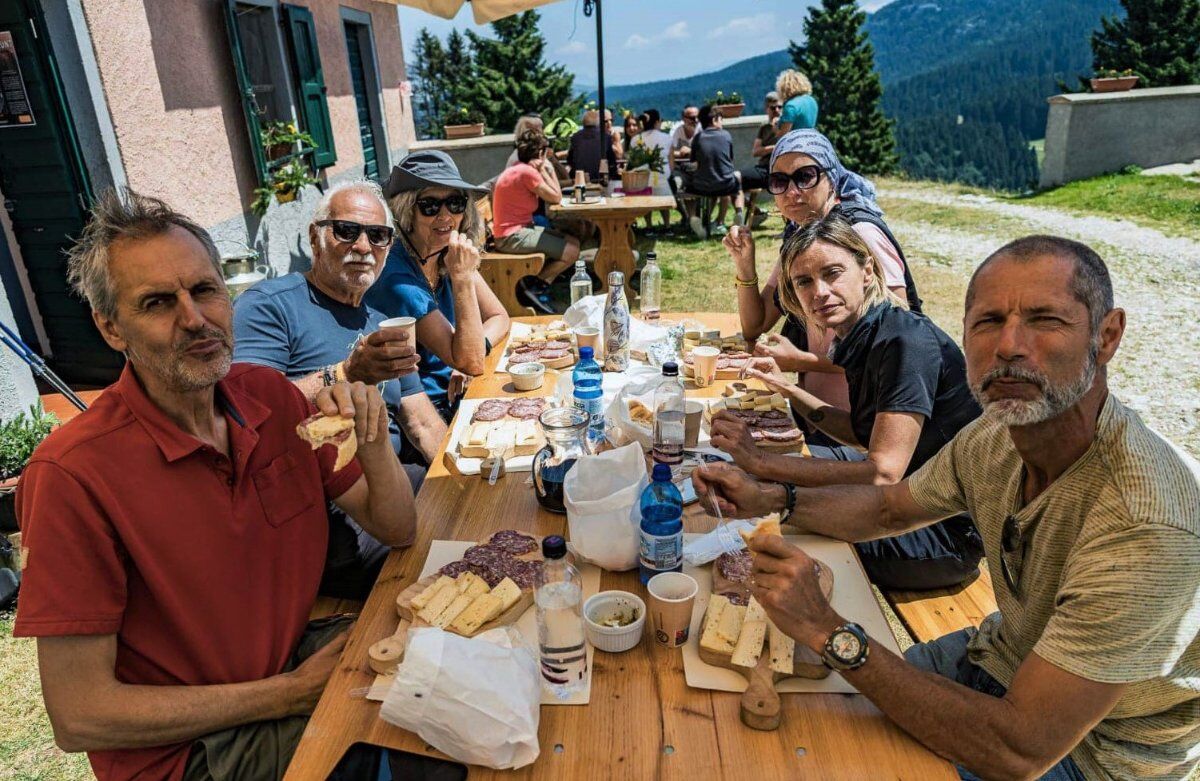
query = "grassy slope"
{"x": 1169, "y": 203}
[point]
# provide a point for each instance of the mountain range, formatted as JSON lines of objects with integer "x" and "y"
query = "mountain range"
{"x": 965, "y": 80}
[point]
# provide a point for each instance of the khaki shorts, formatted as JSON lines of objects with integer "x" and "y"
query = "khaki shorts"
{"x": 527, "y": 241}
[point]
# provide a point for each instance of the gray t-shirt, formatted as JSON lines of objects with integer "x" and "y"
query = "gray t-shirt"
{"x": 712, "y": 152}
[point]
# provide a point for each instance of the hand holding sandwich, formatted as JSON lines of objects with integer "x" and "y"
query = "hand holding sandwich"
{"x": 785, "y": 583}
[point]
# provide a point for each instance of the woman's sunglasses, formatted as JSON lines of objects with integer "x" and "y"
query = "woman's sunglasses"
{"x": 805, "y": 178}
{"x": 429, "y": 206}
{"x": 348, "y": 231}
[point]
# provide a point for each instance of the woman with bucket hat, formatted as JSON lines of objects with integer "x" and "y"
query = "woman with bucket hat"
{"x": 432, "y": 274}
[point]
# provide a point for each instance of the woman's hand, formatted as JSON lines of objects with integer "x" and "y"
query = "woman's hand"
{"x": 739, "y": 243}
{"x": 766, "y": 370}
{"x": 462, "y": 257}
{"x": 787, "y": 355}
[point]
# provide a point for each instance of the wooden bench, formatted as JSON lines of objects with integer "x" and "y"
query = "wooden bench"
{"x": 927, "y": 615}
{"x": 328, "y": 606}
{"x": 502, "y": 272}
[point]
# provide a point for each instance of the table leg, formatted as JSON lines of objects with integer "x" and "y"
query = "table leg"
{"x": 616, "y": 251}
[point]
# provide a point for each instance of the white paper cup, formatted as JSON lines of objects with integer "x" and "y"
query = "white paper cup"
{"x": 704, "y": 365}
{"x": 409, "y": 324}
{"x": 671, "y": 597}
{"x": 693, "y": 413}
{"x": 527, "y": 376}
{"x": 613, "y": 639}
{"x": 587, "y": 336}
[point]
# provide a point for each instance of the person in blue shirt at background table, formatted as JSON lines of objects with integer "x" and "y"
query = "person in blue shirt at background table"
{"x": 432, "y": 274}
{"x": 799, "y": 106}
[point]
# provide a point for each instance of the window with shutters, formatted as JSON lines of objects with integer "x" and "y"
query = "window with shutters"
{"x": 280, "y": 79}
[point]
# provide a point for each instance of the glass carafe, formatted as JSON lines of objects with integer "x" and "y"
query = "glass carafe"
{"x": 564, "y": 429}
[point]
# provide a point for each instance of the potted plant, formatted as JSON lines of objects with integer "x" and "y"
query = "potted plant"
{"x": 1109, "y": 80}
{"x": 463, "y": 122}
{"x": 640, "y": 161}
{"x": 283, "y": 185}
{"x": 728, "y": 106}
{"x": 19, "y": 436}
{"x": 559, "y": 131}
{"x": 279, "y": 139}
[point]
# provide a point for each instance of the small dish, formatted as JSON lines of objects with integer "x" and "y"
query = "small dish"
{"x": 608, "y": 605}
{"x": 527, "y": 376}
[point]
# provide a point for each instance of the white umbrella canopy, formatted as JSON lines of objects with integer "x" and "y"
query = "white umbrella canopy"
{"x": 485, "y": 11}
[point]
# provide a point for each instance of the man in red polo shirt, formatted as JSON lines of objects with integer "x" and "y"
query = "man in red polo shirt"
{"x": 176, "y": 531}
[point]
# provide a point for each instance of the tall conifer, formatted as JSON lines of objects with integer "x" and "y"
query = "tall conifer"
{"x": 1157, "y": 39}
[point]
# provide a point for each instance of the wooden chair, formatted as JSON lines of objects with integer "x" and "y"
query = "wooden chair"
{"x": 502, "y": 271}
{"x": 928, "y": 615}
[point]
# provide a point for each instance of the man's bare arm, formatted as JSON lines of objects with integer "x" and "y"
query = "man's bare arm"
{"x": 422, "y": 425}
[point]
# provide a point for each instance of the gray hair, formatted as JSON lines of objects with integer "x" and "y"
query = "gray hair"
{"x": 404, "y": 207}
{"x": 118, "y": 215}
{"x": 1091, "y": 284}
{"x": 772, "y": 97}
{"x": 365, "y": 186}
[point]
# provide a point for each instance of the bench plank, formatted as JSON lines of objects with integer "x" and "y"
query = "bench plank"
{"x": 502, "y": 272}
{"x": 928, "y": 615}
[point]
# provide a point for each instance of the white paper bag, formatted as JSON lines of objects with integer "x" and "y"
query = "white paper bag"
{"x": 590, "y": 311}
{"x": 477, "y": 699}
{"x": 624, "y": 429}
{"x": 601, "y": 494}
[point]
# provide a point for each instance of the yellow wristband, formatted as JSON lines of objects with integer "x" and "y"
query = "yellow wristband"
{"x": 739, "y": 282}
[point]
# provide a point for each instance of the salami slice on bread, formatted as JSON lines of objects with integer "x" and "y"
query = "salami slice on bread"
{"x": 322, "y": 429}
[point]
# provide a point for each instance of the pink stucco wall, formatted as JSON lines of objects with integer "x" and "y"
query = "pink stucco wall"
{"x": 171, "y": 90}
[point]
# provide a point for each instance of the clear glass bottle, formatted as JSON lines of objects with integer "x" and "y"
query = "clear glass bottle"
{"x": 661, "y": 548}
{"x": 581, "y": 282}
{"x": 588, "y": 382}
{"x": 562, "y": 644}
{"x": 616, "y": 325}
{"x": 651, "y": 294}
{"x": 564, "y": 429}
{"x": 669, "y": 419}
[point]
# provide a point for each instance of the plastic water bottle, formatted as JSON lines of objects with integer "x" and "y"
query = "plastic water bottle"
{"x": 589, "y": 395}
{"x": 669, "y": 419}
{"x": 661, "y": 548}
{"x": 651, "y": 288}
{"x": 616, "y": 325}
{"x": 581, "y": 282}
{"x": 562, "y": 645}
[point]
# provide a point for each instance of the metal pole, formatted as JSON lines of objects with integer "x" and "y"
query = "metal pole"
{"x": 600, "y": 63}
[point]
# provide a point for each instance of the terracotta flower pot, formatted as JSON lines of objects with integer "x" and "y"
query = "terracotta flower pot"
{"x": 730, "y": 110}
{"x": 286, "y": 196}
{"x": 1117, "y": 84}
{"x": 464, "y": 131}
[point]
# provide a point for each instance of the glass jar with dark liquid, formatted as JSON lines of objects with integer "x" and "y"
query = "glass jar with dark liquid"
{"x": 564, "y": 429}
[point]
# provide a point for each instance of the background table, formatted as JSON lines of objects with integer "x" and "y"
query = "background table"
{"x": 643, "y": 720}
{"x": 614, "y": 218}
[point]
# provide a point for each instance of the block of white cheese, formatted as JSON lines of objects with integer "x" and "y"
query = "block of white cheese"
{"x": 782, "y": 649}
{"x": 438, "y": 602}
{"x": 456, "y": 606}
{"x": 749, "y": 644}
{"x": 476, "y": 614}
{"x": 422, "y": 599}
{"x": 730, "y": 625}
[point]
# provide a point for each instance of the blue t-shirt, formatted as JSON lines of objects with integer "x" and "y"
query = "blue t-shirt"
{"x": 290, "y": 325}
{"x": 403, "y": 291}
{"x": 801, "y": 111}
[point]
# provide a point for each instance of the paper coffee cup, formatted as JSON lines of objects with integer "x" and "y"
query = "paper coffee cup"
{"x": 704, "y": 365}
{"x": 693, "y": 413}
{"x": 409, "y": 324}
{"x": 588, "y": 336}
{"x": 672, "y": 595}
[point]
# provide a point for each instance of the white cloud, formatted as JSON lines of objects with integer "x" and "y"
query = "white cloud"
{"x": 745, "y": 27}
{"x": 675, "y": 32}
{"x": 873, "y": 5}
{"x": 573, "y": 47}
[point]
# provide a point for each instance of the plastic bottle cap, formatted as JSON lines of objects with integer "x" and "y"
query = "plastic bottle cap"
{"x": 586, "y": 352}
{"x": 651, "y": 256}
{"x": 670, "y": 369}
{"x": 555, "y": 547}
{"x": 615, "y": 278}
{"x": 661, "y": 474}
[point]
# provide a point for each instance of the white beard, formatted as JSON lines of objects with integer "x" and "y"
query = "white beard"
{"x": 1054, "y": 401}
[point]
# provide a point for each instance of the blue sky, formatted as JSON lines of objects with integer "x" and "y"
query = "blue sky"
{"x": 647, "y": 40}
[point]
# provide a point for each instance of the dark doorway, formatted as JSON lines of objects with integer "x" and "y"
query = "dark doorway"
{"x": 358, "y": 49}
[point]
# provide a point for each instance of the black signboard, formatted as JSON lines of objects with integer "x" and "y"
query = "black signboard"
{"x": 15, "y": 110}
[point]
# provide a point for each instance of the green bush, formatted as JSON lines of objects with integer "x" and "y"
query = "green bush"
{"x": 19, "y": 437}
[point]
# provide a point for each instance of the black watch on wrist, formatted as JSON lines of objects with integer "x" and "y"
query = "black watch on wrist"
{"x": 789, "y": 501}
{"x": 847, "y": 648}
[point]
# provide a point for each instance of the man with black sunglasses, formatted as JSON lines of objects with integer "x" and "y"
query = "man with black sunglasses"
{"x": 1091, "y": 523}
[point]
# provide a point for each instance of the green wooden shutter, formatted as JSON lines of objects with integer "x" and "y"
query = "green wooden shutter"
{"x": 246, "y": 90}
{"x": 310, "y": 82}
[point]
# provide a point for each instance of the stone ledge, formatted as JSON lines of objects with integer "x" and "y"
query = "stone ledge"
{"x": 1188, "y": 91}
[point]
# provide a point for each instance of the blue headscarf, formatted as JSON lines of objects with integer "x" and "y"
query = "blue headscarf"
{"x": 848, "y": 185}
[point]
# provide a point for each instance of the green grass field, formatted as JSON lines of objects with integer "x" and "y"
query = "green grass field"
{"x": 1169, "y": 203}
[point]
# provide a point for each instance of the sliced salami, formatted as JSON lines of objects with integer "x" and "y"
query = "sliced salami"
{"x": 513, "y": 542}
{"x": 484, "y": 556}
{"x": 557, "y": 344}
{"x": 528, "y": 347}
{"x": 781, "y": 434}
{"x": 735, "y": 567}
{"x": 774, "y": 415}
{"x": 523, "y": 573}
{"x": 551, "y": 354}
{"x": 525, "y": 413}
{"x": 775, "y": 423}
{"x": 526, "y": 357}
{"x": 455, "y": 568}
{"x": 491, "y": 410}
{"x": 758, "y": 435}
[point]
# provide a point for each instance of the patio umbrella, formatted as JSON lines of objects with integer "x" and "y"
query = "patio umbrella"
{"x": 486, "y": 11}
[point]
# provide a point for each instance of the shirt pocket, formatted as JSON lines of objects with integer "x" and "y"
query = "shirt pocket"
{"x": 285, "y": 489}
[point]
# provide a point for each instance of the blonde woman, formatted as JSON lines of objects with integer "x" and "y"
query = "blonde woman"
{"x": 908, "y": 397}
{"x": 799, "y": 106}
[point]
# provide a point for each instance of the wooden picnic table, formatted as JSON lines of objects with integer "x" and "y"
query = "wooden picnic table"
{"x": 643, "y": 721}
{"x": 614, "y": 217}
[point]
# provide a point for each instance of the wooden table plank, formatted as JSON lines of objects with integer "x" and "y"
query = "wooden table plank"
{"x": 643, "y": 720}
{"x": 928, "y": 615}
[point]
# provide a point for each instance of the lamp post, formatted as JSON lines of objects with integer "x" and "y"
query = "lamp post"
{"x": 588, "y": 6}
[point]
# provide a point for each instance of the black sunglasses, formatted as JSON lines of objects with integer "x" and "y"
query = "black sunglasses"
{"x": 430, "y": 206}
{"x": 349, "y": 231}
{"x": 1011, "y": 545}
{"x": 805, "y": 178}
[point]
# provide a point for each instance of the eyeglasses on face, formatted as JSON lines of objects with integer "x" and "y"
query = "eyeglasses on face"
{"x": 349, "y": 231}
{"x": 430, "y": 206}
{"x": 805, "y": 178}
{"x": 774, "y": 107}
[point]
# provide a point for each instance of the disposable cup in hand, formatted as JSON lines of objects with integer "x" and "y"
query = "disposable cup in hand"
{"x": 704, "y": 365}
{"x": 588, "y": 336}
{"x": 408, "y": 324}
{"x": 672, "y": 595}
{"x": 693, "y": 413}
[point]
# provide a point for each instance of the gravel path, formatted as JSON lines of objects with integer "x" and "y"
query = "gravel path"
{"x": 1156, "y": 279}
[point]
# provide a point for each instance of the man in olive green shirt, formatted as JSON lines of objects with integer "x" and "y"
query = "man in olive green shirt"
{"x": 1091, "y": 523}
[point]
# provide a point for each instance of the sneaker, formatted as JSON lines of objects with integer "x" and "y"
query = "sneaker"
{"x": 758, "y": 219}
{"x": 698, "y": 228}
{"x": 535, "y": 292}
{"x": 718, "y": 230}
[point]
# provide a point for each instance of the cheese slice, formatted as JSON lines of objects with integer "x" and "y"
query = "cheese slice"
{"x": 458, "y": 605}
{"x": 509, "y": 592}
{"x": 477, "y": 433}
{"x": 422, "y": 599}
{"x": 747, "y": 403}
{"x": 709, "y": 639}
{"x": 780, "y": 403}
{"x": 750, "y": 644}
{"x": 525, "y": 437}
{"x": 783, "y": 650}
{"x": 754, "y": 612}
{"x": 434, "y": 607}
{"x": 476, "y": 614}
{"x": 730, "y": 625}
{"x": 471, "y": 584}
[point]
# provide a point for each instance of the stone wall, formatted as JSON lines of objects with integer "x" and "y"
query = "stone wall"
{"x": 1088, "y": 134}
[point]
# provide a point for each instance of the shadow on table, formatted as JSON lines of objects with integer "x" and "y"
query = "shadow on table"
{"x": 364, "y": 762}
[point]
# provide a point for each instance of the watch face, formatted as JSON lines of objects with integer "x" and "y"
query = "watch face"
{"x": 845, "y": 646}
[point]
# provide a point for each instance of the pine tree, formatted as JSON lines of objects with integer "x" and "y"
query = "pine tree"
{"x": 510, "y": 77}
{"x": 840, "y": 62}
{"x": 1158, "y": 39}
{"x": 429, "y": 92}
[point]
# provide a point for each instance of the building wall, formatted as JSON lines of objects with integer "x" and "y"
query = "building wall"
{"x": 1090, "y": 134}
{"x": 17, "y": 389}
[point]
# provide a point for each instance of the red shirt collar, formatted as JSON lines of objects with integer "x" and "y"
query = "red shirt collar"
{"x": 174, "y": 442}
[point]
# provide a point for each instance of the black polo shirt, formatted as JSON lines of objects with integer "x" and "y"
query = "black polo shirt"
{"x": 898, "y": 361}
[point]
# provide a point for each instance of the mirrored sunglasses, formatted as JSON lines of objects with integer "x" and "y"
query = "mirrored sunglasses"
{"x": 805, "y": 178}
{"x": 349, "y": 231}
{"x": 430, "y": 206}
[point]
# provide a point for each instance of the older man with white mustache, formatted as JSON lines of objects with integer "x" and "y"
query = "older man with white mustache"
{"x": 1091, "y": 524}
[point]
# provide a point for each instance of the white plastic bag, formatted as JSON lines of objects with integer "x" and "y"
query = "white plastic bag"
{"x": 624, "y": 429}
{"x": 477, "y": 700}
{"x": 611, "y": 384}
{"x": 601, "y": 494}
